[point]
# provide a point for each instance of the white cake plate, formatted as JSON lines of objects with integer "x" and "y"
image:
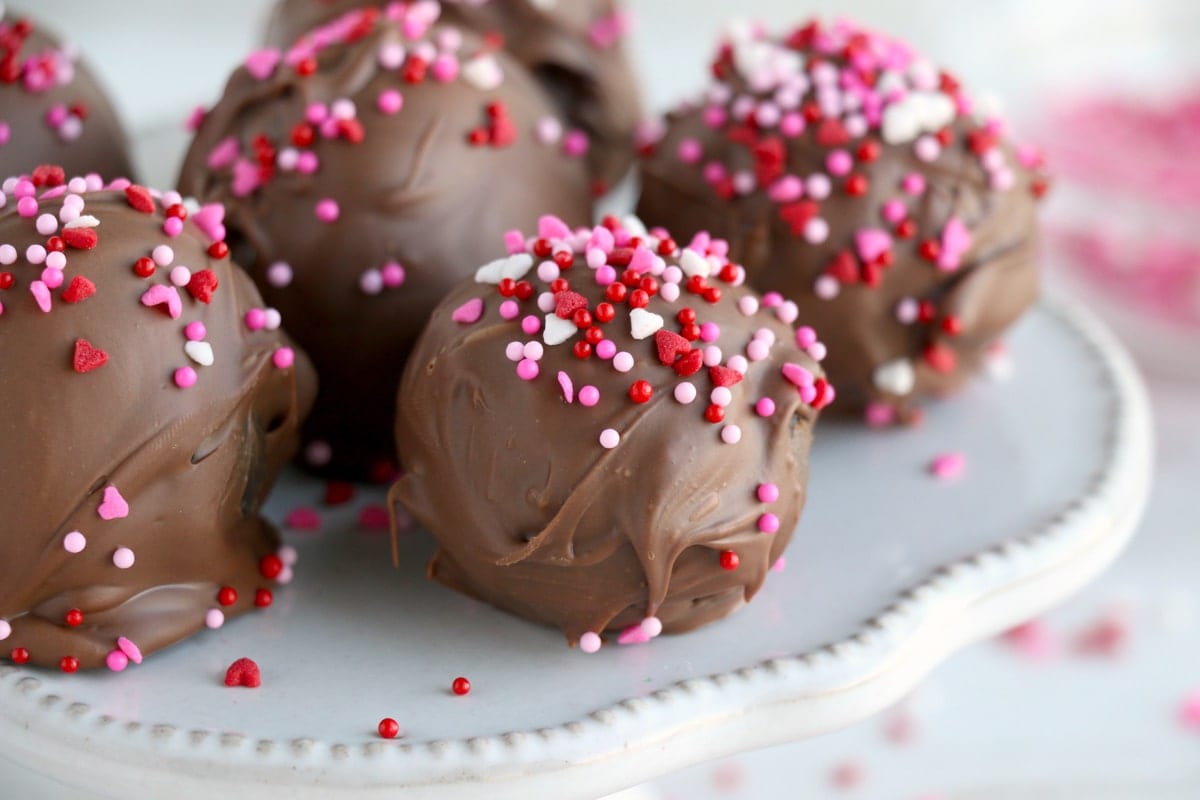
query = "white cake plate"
{"x": 890, "y": 573}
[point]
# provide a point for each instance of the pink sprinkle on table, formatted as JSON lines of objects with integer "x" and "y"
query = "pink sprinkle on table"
{"x": 374, "y": 518}
{"x": 948, "y": 466}
{"x": 303, "y": 519}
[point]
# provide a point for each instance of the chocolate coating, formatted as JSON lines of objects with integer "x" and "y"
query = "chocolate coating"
{"x": 575, "y": 48}
{"x": 52, "y": 108}
{"x": 412, "y": 193}
{"x": 192, "y": 464}
{"x": 535, "y": 515}
{"x": 748, "y": 163}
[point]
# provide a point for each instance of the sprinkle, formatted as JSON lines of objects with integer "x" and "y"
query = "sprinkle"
{"x": 256, "y": 319}
{"x": 609, "y": 438}
{"x": 284, "y": 357}
{"x": 303, "y": 518}
{"x": 721, "y": 396}
{"x": 185, "y": 377}
{"x": 685, "y": 393}
{"x": 643, "y": 323}
{"x": 589, "y": 642}
{"x": 731, "y": 434}
{"x": 374, "y": 518}
{"x": 527, "y": 369}
{"x": 469, "y": 312}
{"x": 160, "y": 294}
{"x": 948, "y": 466}
{"x": 123, "y": 558}
{"x": 279, "y": 274}
{"x": 243, "y": 672}
{"x": 74, "y": 542}
{"x": 200, "y": 352}
{"x": 388, "y": 728}
{"x": 652, "y": 627}
{"x": 1189, "y": 710}
{"x": 515, "y": 267}
{"x": 765, "y": 407}
{"x": 371, "y": 282}
{"x": 214, "y": 618}
{"x": 41, "y": 294}
{"x": 129, "y": 649}
{"x": 768, "y": 523}
{"x": 557, "y": 330}
{"x": 607, "y": 349}
{"x": 483, "y": 72}
{"x": 568, "y": 388}
{"x": 88, "y": 357}
{"x": 623, "y": 361}
{"x": 113, "y": 505}
{"x": 116, "y": 661}
{"x": 509, "y": 310}
{"x": 327, "y": 210}
{"x": 589, "y": 396}
{"x": 1034, "y": 640}
{"x": 767, "y": 493}
{"x": 895, "y": 377}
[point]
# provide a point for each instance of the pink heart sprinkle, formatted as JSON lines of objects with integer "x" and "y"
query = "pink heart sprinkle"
{"x": 469, "y": 312}
{"x": 303, "y": 519}
{"x": 160, "y": 294}
{"x": 568, "y": 388}
{"x": 113, "y": 506}
{"x": 261, "y": 63}
{"x": 224, "y": 154}
{"x": 209, "y": 219}
{"x": 956, "y": 240}
{"x": 246, "y": 178}
{"x": 602, "y": 239}
{"x": 642, "y": 261}
{"x": 551, "y": 227}
{"x": 871, "y": 243}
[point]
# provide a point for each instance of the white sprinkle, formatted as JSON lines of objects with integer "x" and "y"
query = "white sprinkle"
{"x": 895, "y": 377}
{"x": 643, "y": 323}
{"x": 483, "y": 72}
{"x": 609, "y": 438}
{"x": 514, "y": 266}
{"x": 200, "y": 352}
{"x": 82, "y": 221}
{"x": 692, "y": 263}
{"x": 557, "y": 330}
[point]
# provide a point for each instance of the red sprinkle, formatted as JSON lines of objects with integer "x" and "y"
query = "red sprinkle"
{"x": 19, "y": 655}
{"x": 139, "y": 199}
{"x": 48, "y": 175}
{"x": 724, "y": 376}
{"x": 202, "y": 285}
{"x": 218, "y": 250}
{"x": 81, "y": 238}
{"x": 87, "y": 357}
{"x": 671, "y": 346}
{"x": 689, "y": 364}
{"x": 641, "y": 391}
{"x": 78, "y": 290}
{"x": 714, "y": 414}
{"x": 74, "y": 618}
{"x": 144, "y": 267}
{"x": 227, "y": 596}
{"x": 338, "y": 492}
{"x": 729, "y": 560}
{"x": 263, "y": 598}
{"x": 389, "y": 728}
{"x": 461, "y": 686}
{"x": 243, "y": 672}
{"x": 269, "y": 566}
{"x": 69, "y": 664}
{"x": 6, "y": 280}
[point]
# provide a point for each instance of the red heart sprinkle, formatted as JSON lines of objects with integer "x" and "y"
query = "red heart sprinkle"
{"x": 844, "y": 267}
{"x": 48, "y": 175}
{"x": 243, "y": 672}
{"x": 202, "y": 285}
{"x": 621, "y": 256}
{"x": 504, "y": 132}
{"x": 690, "y": 363}
{"x": 724, "y": 376}
{"x": 81, "y": 238}
{"x": 670, "y": 346}
{"x": 139, "y": 199}
{"x": 770, "y": 159}
{"x": 567, "y": 303}
{"x": 831, "y": 133}
{"x": 87, "y": 357}
{"x": 798, "y": 214}
{"x": 78, "y": 290}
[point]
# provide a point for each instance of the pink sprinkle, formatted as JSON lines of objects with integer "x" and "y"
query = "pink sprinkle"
{"x": 652, "y": 626}
{"x": 27, "y": 207}
{"x": 872, "y": 243}
{"x": 130, "y": 649}
{"x": 590, "y": 642}
{"x": 710, "y": 331}
{"x": 160, "y": 294}
{"x": 113, "y": 505}
{"x": 172, "y": 226}
{"x": 123, "y": 558}
{"x": 262, "y": 63}
{"x": 185, "y": 377}
{"x": 214, "y": 618}
{"x": 894, "y": 211}
{"x": 374, "y": 517}
{"x": 548, "y": 130}
{"x": 531, "y": 325}
{"x": 509, "y": 309}
{"x": 880, "y": 415}
{"x": 575, "y": 143}
{"x": 797, "y": 375}
{"x": 731, "y": 434}
{"x": 690, "y": 151}
{"x": 765, "y": 407}
{"x": 738, "y": 364}
{"x": 913, "y": 184}
{"x": 224, "y": 154}
{"x": 53, "y": 278}
{"x": 195, "y": 331}
{"x": 568, "y": 388}
{"x": 514, "y": 351}
{"x": 469, "y": 312}
{"x": 839, "y": 162}
{"x": 303, "y": 518}
{"x": 605, "y": 275}
{"x": 162, "y": 255}
{"x": 116, "y": 661}
{"x": 180, "y": 276}
{"x": 589, "y": 396}
{"x": 768, "y": 523}
{"x": 1108, "y": 636}
{"x": 767, "y": 493}
{"x": 533, "y": 350}
{"x": 41, "y": 294}
{"x": 757, "y": 350}
{"x": 848, "y": 775}
{"x": 327, "y": 210}
{"x": 74, "y": 542}
{"x": 780, "y": 564}
{"x": 721, "y": 396}
{"x": 390, "y": 102}
{"x": 606, "y": 349}
{"x": 393, "y": 275}
{"x": 1189, "y": 711}
{"x": 772, "y": 299}
{"x": 948, "y": 466}
{"x": 284, "y": 357}
{"x": 256, "y": 319}
{"x": 1034, "y": 640}
{"x": 634, "y": 634}
{"x": 527, "y": 369}
{"x": 685, "y": 393}
{"x": 514, "y": 242}
{"x": 609, "y": 438}
{"x": 622, "y": 362}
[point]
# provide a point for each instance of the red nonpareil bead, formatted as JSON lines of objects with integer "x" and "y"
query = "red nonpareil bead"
{"x": 19, "y": 655}
{"x": 714, "y": 413}
{"x": 389, "y": 728}
{"x": 227, "y": 596}
{"x": 605, "y": 312}
{"x": 611, "y": 222}
{"x": 269, "y": 566}
{"x": 263, "y": 598}
{"x": 6, "y": 280}
{"x": 639, "y": 298}
{"x": 218, "y": 250}
{"x": 594, "y": 335}
{"x": 461, "y": 686}
{"x": 542, "y": 248}
{"x": 351, "y": 130}
{"x": 930, "y": 249}
{"x": 648, "y": 285}
{"x": 641, "y": 391}
{"x": 306, "y": 66}
{"x": 177, "y": 210}
{"x": 811, "y": 112}
{"x": 415, "y": 69}
{"x": 940, "y": 357}
{"x": 582, "y": 350}
{"x": 667, "y": 247}
{"x": 729, "y": 560}
{"x": 73, "y": 618}
{"x": 524, "y": 290}
{"x": 599, "y": 187}
{"x": 712, "y": 295}
{"x": 621, "y": 256}
{"x": 559, "y": 285}
{"x": 478, "y": 136}
{"x": 616, "y": 292}
{"x": 55, "y": 244}
{"x": 952, "y": 325}
{"x": 338, "y": 492}
{"x": 857, "y": 185}
{"x": 697, "y": 284}
{"x": 69, "y": 664}
{"x": 48, "y": 175}
{"x": 582, "y": 318}
{"x": 871, "y": 274}
{"x": 906, "y": 229}
{"x": 630, "y": 278}
{"x": 926, "y": 312}
{"x": 945, "y": 137}
{"x": 507, "y": 287}
{"x": 1039, "y": 187}
{"x": 564, "y": 260}
{"x": 686, "y": 316}
{"x": 144, "y": 267}
{"x": 728, "y": 273}
{"x": 868, "y": 151}
{"x": 303, "y": 134}
{"x": 691, "y": 331}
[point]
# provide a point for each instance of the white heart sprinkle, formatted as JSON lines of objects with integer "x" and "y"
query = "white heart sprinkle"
{"x": 643, "y": 323}
{"x": 916, "y": 113}
{"x": 895, "y": 377}
{"x": 557, "y": 330}
{"x": 483, "y": 72}
{"x": 634, "y": 226}
{"x": 200, "y": 352}
{"x": 692, "y": 263}
{"x": 514, "y": 267}
{"x": 82, "y": 221}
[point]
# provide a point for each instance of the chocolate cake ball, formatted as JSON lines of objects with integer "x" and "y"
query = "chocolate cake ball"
{"x": 605, "y": 432}
{"x": 575, "y": 49}
{"x": 365, "y": 171}
{"x": 852, "y": 175}
{"x": 52, "y": 109}
{"x": 149, "y": 401}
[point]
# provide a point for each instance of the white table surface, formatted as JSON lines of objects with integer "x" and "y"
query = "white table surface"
{"x": 991, "y": 724}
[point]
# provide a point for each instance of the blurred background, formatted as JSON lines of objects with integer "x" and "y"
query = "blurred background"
{"x": 1100, "y": 699}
